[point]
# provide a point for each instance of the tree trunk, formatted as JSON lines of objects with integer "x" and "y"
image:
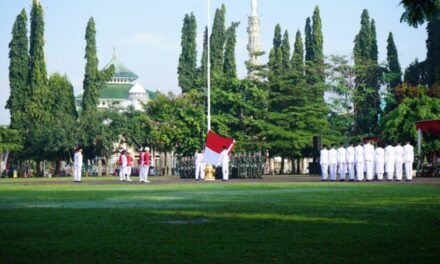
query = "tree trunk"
{"x": 38, "y": 168}
{"x": 107, "y": 166}
{"x": 57, "y": 167}
{"x": 99, "y": 167}
{"x": 298, "y": 166}
{"x": 282, "y": 165}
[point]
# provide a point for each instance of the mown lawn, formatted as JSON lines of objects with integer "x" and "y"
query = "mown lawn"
{"x": 218, "y": 223}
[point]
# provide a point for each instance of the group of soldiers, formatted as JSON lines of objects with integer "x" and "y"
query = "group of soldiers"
{"x": 366, "y": 160}
{"x": 241, "y": 166}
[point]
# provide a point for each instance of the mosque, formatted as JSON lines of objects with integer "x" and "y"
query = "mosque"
{"x": 121, "y": 92}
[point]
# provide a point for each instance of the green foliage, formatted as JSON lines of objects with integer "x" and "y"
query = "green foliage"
{"x": 309, "y": 40}
{"x": 18, "y": 73}
{"x": 203, "y": 69}
{"x": 317, "y": 40}
{"x": 285, "y": 51}
{"x": 400, "y": 124}
{"x": 416, "y": 73}
{"x": 10, "y": 139}
{"x": 218, "y": 40}
{"x": 393, "y": 74}
{"x": 298, "y": 54}
{"x": 187, "y": 68}
{"x": 433, "y": 47}
{"x": 418, "y": 12}
{"x": 276, "y": 54}
{"x": 230, "y": 65}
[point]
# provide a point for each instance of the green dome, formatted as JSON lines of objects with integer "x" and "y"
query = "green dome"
{"x": 121, "y": 71}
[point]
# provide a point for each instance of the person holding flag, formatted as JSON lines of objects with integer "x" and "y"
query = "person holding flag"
{"x": 224, "y": 161}
{"x": 146, "y": 164}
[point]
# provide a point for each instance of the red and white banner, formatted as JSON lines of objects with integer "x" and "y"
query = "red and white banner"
{"x": 214, "y": 147}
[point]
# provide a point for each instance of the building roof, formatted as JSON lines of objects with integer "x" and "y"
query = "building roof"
{"x": 137, "y": 89}
{"x": 118, "y": 91}
{"x": 121, "y": 71}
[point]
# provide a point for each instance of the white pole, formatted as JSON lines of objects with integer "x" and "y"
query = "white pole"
{"x": 209, "y": 67}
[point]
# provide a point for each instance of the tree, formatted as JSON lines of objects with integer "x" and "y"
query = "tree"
{"x": 276, "y": 55}
{"x": 317, "y": 44}
{"x": 10, "y": 140}
{"x": 309, "y": 40}
{"x": 218, "y": 39}
{"x": 393, "y": 75}
{"x": 94, "y": 81}
{"x": 285, "y": 52}
{"x": 367, "y": 77}
{"x": 433, "y": 47}
{"x": 187, "y": 68}
{"x": 18, "y": 72}
{"x": 230, "y": 66}
{"x": 38, "y": 110}
{"x": 298, "y": 55}
{"x": 419, "y": 11}
{"x": 203, "y": 69}
{"x": 416, "y": 73}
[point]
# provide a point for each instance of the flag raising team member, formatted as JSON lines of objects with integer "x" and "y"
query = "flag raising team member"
{"x": 398, "y": 151}
{"x": 129, "y": 166}
{"x": 350, "y": 161}
{"x": 323, "y": 161}
{"x": 224, "y": 161}
{"x": 390, "y": 158}
{"x": 408, "y": 152}
{"x": 369, "y": 159}
{"x": 146, "y": 164}
{"x": 342, "y": 162}
{"x": 379, "y": 159}
{"x": 198, "y": 164}
{"x": 141, "y": 166}
{"x": 359, "y": 160}
{"x": 77, "y": 165}
{"x": 122, "y": 166}
{"x": 333, "y": 161}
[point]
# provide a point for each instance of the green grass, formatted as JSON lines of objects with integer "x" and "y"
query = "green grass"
{"x": 218, "y": 223}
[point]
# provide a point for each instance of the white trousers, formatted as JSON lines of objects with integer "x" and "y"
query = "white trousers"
{"x": 369, "y": 170}
{"x": 379, "y": 170}
{"x": 146, "y": 171}
{"x": 141, "y": 172}
{"x": 198, "y": 171}
{"x": 332, "y": 172}
{"x": 324, "y": 171}
{"x": 342, "y": 168}
{"x": 360, "y": 171}
{"x": 389, "y": 168}
{"x": 128, "y": 172}
{"x": 399, "y": 168}
{"x": 351, "y": 170}
{"x": 408, "y": 170}
{"x": 77, "y": 173}
{"x": 122, "y": 173}
{"x": 225, "y": 171}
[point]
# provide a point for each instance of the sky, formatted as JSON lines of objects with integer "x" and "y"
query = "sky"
{"x": 146, "y": 33}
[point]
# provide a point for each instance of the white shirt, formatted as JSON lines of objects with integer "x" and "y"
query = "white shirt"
{"x": 224, "y": 158}
{"x": 342, "y": 155}
{"x": 333, "y": 156}
{"x": 359, "y": 154}
{"x": 78, "y": 160}
{"x": 379, "y": 155}
{"x": 398, "y": 151}
{"x": 368, "y": 152}
{"x": 350, "y": 154}
{"x": 198, "y": 158}
{"x": 390, "y": 155}
{"x": 408, "y": 153}
{"x": 324, "y": 157}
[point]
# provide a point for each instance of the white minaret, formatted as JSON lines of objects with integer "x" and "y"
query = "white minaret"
{"x": 253, "y": 30}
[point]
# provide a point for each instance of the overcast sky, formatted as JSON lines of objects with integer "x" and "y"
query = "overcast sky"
{"x": 146, "y": 33}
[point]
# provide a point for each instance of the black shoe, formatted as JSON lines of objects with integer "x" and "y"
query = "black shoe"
{"x": 324, "y": 180}
{"x": 342, "y": 180}
{"x": 409, "y": 180}
{"x": 351, "y": 180}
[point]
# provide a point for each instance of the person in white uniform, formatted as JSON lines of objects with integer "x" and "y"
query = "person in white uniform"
{"x": 333, "y": 162}
{"x": 379, "y": 161}
{"x": 198, "y": 164}
{"x": 408, "y": 158}
{"x": 77, "y": 165}
{"x": 123, "y": 166}
{"x": 342, "y": 162}
{"x": 359, "y": 161}
{"x": 398, "y": 161}
{"x": 224, "y": 161}
{"x": 323, "y": 161}
{"x": 350, "y": 161}
{"x": 369, "y": 160}
{"x": 390, "y": 158}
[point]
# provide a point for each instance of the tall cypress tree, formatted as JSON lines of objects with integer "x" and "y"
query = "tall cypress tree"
{"x": 285, "y": 51}
{"x": 187, "y": 68}
{"x": 203, "y": 69}
{"x": 39, "y": 106}
{"x": 18, "y": 72}
{"x": 433, "y": 55}
{"x": 393, "y": 64}
{"x": 317, "y": 38}
{"x": 90, "y": 83}
{"x": 276, "y": 55}
{"x": 362, "y": 48}
{"x": 308, "y": 40}
{"x": 298, "y": 54}
{"x": 230, "y": 65}
{"x": 218, "y": 39}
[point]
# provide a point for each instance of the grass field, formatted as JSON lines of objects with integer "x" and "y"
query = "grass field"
{"x": 55, "y": 221}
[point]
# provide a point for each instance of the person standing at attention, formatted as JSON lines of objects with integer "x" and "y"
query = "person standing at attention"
{"x": 323, "y": 161}
{"x": 224, "y": 161}
{"x": 77, "y": 165}
{"x": 408, "y": 152}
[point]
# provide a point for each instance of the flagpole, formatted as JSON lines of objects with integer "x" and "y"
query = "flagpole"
{"x": 209, "y": 67}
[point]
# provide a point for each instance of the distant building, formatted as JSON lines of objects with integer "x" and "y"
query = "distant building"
{"x": 254, "y": 34}
{"x": 120, "y": 92}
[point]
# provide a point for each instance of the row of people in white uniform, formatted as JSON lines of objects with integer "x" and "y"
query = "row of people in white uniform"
{"x": 364, "y": 158}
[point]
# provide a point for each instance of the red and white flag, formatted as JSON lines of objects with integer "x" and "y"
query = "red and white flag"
{"x": 214, "y": 147}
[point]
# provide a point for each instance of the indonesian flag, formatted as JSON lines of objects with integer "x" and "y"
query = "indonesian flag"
{"x": 214, "y": 147}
